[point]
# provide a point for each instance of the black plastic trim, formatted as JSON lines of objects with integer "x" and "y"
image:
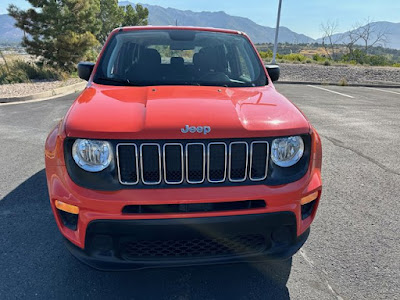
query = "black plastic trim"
{"x": 266, "y": 224}
{"x": 193, "y": 207}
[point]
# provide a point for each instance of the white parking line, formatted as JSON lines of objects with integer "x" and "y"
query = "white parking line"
{"x": 386, "y": 91}
{"x": 320, "y": 88}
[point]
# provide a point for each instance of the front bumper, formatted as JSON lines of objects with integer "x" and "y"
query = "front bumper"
{"x": 138, "y": 244}
{"x": 103, "y": 213}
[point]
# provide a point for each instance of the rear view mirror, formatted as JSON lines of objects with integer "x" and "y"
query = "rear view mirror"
{"x": 182, "y": 45}
{"x": 273, "y": 71}
{"x": 85, "y": 69}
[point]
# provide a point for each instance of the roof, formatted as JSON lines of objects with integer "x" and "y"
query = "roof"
{"x": 131, "y": 28}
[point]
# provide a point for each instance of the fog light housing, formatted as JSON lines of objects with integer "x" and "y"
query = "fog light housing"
{"x": 68, "y": 214}
{"x": 69, "y": 220}
{"x": 307, "y": 209}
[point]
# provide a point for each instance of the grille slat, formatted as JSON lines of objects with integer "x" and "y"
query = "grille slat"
{"x": 150, "y": 163}
{"x": 195, "y": 163}
{"x": 128, "y": 172}
{"x": 216, "y": 162}
{"x": 238, "y": 158}
{"x": 173, "y": 163}
{"x": 192, "y": 163}
{"x": 259, "y": 152}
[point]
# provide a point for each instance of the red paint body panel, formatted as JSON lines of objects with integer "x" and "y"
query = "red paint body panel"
{"x": 115, "y": 112}
{"x": 106, "y": 112}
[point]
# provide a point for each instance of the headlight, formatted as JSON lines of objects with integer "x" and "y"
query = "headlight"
{"x": 286, "y": 152}
{"x": 91, "y": 155}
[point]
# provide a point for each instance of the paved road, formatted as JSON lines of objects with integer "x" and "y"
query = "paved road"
{"x": 352, "y": 253}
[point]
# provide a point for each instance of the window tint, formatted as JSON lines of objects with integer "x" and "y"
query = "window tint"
{"x": 180, "y": 57}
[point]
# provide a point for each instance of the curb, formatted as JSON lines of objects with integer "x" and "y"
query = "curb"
{"x": 379, "y": 85}
{"x": 61, "y": 91}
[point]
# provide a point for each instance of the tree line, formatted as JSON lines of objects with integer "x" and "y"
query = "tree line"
{"x": 366, "y": 34}
{"x": 60, "y": 33}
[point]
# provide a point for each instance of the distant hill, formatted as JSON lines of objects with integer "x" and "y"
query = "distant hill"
{"x": 259, "y": 34}
{"x": 8, "y": 33}
{"x": 169, "y": 16}
{"x": 392, "y": 30}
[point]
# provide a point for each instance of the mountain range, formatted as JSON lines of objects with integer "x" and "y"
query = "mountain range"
{"x": 392, "y": 36}
{"x": 170, "y": 16}
{"x": 259, "y": 34}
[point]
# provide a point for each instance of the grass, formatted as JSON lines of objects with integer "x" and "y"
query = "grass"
{"x": 18, "y": 71}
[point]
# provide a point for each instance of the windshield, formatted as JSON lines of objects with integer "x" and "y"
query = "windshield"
{"x": 180, "y": 57}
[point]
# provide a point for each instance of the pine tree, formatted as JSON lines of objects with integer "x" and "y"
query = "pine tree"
{"x": 113, "y": 16}
{"x": 59, "y": 32}
{"x": 135, "y": 16}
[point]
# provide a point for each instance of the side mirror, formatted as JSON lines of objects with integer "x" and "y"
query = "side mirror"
{"x": 273, "y": 71}
{"x": 85, "y": 69}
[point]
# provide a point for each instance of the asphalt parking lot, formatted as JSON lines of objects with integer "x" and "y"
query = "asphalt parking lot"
{"x": 352, "y": 253}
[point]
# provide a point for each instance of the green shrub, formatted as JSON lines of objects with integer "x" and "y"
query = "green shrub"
{"x": 14, "y": 76}
{"x": 318, "y": 57}
{"x": 327, "y": 63}
{"x": 396, "y": 65}
{"x": 376, "y": 60}
{"x": 91, "y": 55}
{"x": 21, "y": 71}
{"x": 295, "y": 57}
{"x": 266, "y": 54}
{"x": 308, "y": 61}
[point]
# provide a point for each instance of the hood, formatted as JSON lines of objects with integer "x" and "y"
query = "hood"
{"x": 115, "y": 112}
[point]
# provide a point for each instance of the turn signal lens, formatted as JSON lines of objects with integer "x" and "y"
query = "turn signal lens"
{"x": 309, "y": 198}
{"x": 72, "y": 209}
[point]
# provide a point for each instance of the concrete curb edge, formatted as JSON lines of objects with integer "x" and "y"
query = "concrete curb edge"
{"x": 61, "y": 91}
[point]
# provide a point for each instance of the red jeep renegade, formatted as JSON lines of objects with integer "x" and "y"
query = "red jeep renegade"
{"x": 180, "y": 151}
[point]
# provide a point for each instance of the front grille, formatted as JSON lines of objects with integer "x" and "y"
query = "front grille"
{"x": 199, "y": 247}
{"x": 192, "y": 163}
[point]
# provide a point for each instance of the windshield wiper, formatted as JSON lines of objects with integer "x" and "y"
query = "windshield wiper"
{"x": 116, "y": 80}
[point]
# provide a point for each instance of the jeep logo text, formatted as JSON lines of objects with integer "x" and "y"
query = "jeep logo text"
{"x": 198, "y": 129}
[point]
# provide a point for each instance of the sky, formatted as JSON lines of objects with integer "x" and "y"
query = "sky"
{"x": 301, "y": 16}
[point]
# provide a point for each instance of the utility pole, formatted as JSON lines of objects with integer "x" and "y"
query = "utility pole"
{"x": 277, "y": 33}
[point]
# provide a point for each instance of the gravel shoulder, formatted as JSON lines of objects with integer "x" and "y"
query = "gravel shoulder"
{"x": 339, "y": 74}
{"x": 25, "y": 89}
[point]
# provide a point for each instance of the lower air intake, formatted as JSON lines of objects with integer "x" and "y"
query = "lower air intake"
{"x": 200, "y": 247}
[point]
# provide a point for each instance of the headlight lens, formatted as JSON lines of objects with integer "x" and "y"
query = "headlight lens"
{"x": 92, "y": 155}
{"x": 286, "y": 152}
